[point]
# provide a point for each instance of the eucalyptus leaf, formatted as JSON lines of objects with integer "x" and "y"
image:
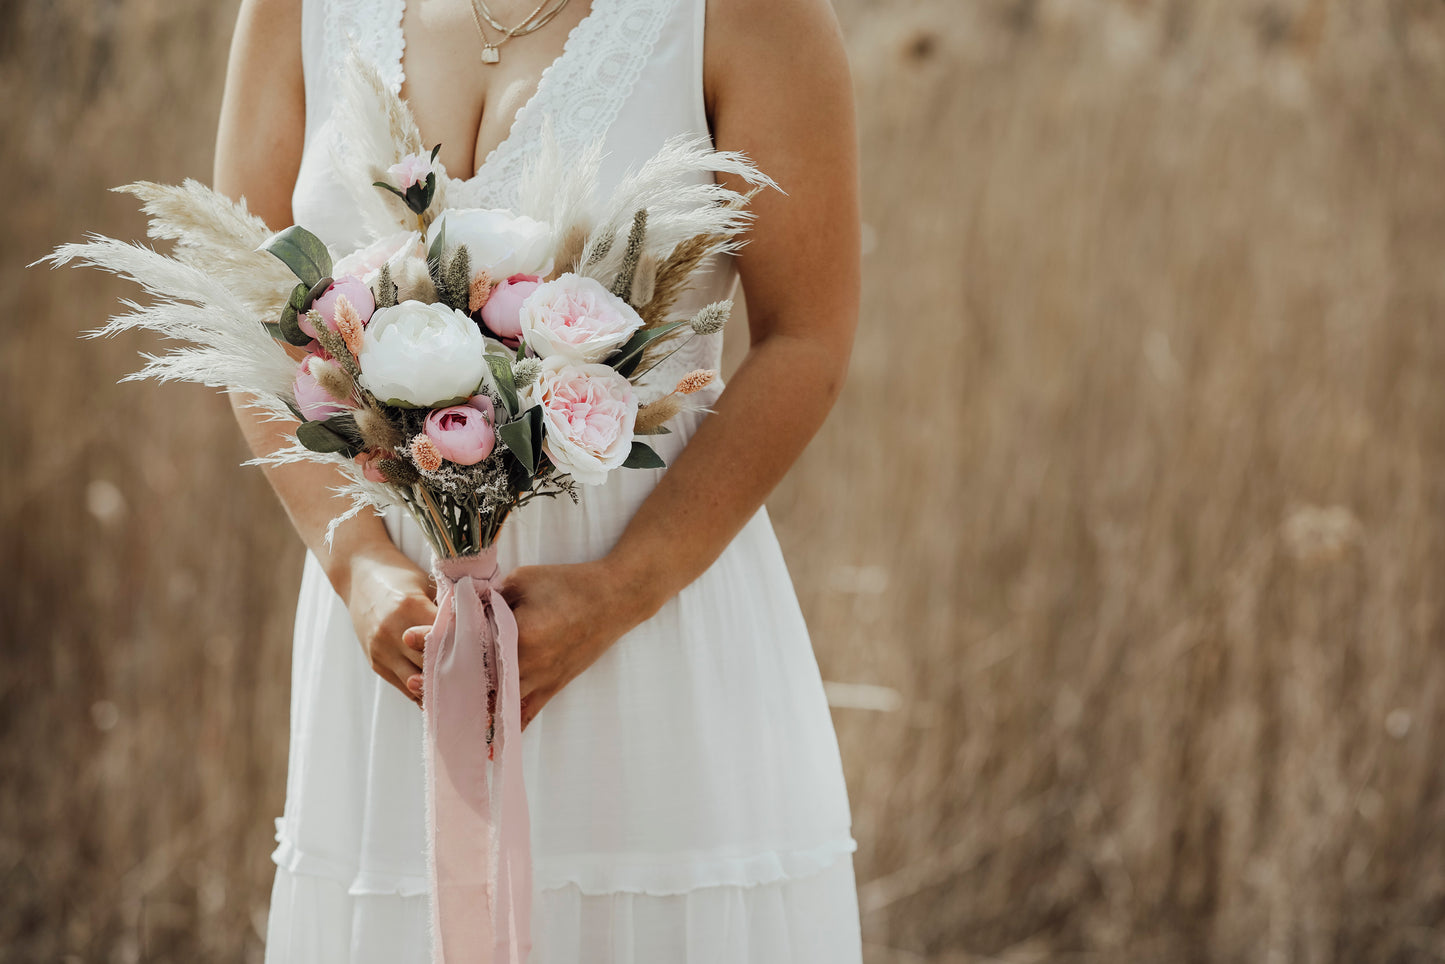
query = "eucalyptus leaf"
{"x": 301, "y": 251}
{"x": 289, "y": 327}
{"x": 318, "y": 437}
{"x": 501, "y": 367}
{"x": 316, "y": 291}
{"x": 344, "y": 425}
{"x": 643, "y": 457}
{"x": 519, "y": 435}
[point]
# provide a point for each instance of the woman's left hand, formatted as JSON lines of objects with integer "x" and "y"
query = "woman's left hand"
{"x": 567, "y": 616}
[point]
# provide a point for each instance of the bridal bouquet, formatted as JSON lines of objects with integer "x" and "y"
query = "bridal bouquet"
{"x": 461, "y": 363}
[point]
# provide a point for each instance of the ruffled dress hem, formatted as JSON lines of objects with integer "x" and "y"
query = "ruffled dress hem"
{"x": 653, "y": 875}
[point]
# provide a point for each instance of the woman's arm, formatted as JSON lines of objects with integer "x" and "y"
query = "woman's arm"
{"x": 778, "y": 89}
{"x": 258, "y": 153}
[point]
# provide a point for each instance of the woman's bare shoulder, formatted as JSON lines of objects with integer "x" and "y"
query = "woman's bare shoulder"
{"x": 770, "y": 41}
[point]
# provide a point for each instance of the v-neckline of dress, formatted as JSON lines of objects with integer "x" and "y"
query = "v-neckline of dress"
{"x": 580, "y": 28}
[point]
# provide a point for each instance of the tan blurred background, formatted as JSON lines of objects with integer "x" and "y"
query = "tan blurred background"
{"x": 1136, "y": 496}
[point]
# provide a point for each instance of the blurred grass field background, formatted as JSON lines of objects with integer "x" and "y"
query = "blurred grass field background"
{"x": 1136, "y": 496}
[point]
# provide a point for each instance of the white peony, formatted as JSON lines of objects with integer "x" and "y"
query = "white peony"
{"x": 577, "y": 319}
{"x": 420, "y": 355}
{"x": 498, "y": 242}
{"x": 588, "y": 416}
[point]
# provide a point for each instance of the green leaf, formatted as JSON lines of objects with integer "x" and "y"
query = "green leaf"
{"x": 390, "y": 187}
{"x": 643, "y": 457}
{"x": 438, "y": 246}
{"x": 435, "y": 151}
{"x": 289, "y": 327}
{"x": 301, "y": 251}
{"x": 501, "y": 368}
{"x": 523, "y": 437}
{"x": 319, "y": 437}
{"x": 316, "y": 291}
{"x": 296, "y": 411}
{"x": 627, "y": 358}
{"x": 344, "y": 425}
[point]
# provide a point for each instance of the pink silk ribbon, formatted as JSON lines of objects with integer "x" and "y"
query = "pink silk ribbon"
{"x": 478, "y": 835}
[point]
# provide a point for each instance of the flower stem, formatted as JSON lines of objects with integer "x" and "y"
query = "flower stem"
{"x": 437, "y": 520}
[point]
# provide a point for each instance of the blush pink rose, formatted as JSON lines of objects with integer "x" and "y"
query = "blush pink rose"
{"x": 355, "y": 291}
{"x": 314, "y": 401}
{"x": 502, "y": 314}
{"x": 412, "y": 169}
{"x": 577, "y": 319}
{"x": 588, "y": 415}
{"x": 367, "y": 461}
{"x": 463, "y": 434}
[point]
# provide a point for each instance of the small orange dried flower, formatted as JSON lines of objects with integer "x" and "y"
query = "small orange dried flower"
{"x": 695, "y": 381}
{"x": 348, "y": 323}
{"x": 480, "y": 291}
{"x": 425, "y": 453}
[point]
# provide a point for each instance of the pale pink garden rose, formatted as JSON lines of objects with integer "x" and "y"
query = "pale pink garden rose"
{"x": 576, "y": 319}
{"x": 312, "y": 400}
{"x": 394, "y": 249}
{"x": 588, "y": 415}
{"x": 502, "y": 314}
{"x": 367, "y": 461}
{"x": 462, "y": 433}
{"x": 353, "y": 289}
{"x": 412, "y": 169}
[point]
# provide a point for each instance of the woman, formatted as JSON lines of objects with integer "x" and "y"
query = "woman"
{"x": 686, "y": 795}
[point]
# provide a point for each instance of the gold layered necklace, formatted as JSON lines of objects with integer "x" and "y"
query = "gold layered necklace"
{"x": 534, "y": 21}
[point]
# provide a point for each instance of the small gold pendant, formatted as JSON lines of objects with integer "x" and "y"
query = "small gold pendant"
{"x": 490, "y": 54}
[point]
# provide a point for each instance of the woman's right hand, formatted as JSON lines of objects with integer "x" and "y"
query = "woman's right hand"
{"x": 391, "y": 605}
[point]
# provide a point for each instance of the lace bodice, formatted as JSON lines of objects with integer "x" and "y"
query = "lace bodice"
{"x": 629, "y": 75}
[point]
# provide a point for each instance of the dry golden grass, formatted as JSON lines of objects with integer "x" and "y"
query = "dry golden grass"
{"x": 1136, "y": 495}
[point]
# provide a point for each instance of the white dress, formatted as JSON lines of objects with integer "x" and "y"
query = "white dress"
{"x": 686, "y": 794}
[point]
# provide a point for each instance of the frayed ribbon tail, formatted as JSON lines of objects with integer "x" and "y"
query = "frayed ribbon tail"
{"x": 478, "y": 834}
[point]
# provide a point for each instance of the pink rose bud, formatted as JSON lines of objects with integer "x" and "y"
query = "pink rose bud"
{"x": 314, "y": 401}
{"x": 483, "y": 404}
{"x": 502, "y": 314}
{"x": 356, "y": 292}
{"x": 367, "y": 461}
{"x": 412, "y": 169}
{"x": 462, "y": 434}
{"x": 315, "y": 348}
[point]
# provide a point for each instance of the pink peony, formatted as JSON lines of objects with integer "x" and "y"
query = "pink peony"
{"x": 367, "y": 461}
{"x": 355, "y": 291}
{"x": 483, "y": 404}
{"x": 588, "y": 415}
{"x": 462, "y": 433}
{"x": 577, "y": 319}
{"x": 502, "y": 314}
{"x": 412, "y": 169}
{"x": 314, "y": 401}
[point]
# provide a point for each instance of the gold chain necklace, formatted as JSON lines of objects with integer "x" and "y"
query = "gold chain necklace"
{"x": 534, "y": 21}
